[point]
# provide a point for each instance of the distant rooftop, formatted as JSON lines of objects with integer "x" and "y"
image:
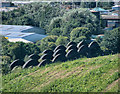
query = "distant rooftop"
{"x": 110, "y": 17}
{"x": 15, "y": 28}
{"x": 16, "y": 33}
{"x": 116, "y": 6}
{"x": 98, "y": 9}
{"x": 20, "y": 28}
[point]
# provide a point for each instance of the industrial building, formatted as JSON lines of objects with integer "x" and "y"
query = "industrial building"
{"x": 20, "y": 28}
{"x": 116, "y": 7}
{"x": 15, "y": 33}
{"x": 101, "y": 10}
{"x": 6, "y": 4}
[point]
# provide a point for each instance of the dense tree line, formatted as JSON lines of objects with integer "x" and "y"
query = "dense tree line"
{"x": 35, "y": 14}
{"x": 51, "y": 17}
{"x": 111, "y": 41}
{"x": 17, "y": 50}
{"x": 105, "y": 5}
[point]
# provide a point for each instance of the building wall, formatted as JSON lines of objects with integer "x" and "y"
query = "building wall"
{"x": 6, "y": 4}
{"x": 116, "y": 8}
{"x": 113, "y": 23}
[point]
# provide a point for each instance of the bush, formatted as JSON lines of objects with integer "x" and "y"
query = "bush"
{"x": 78, "y": 32}
{"x": 77, "y": 40}
{"x": 26, "y": 58}
{"x": 5, "y": 68}
{"x": 55, "y": 23}
{"x": 62, "y": 40}
{"x": 6, "y": 59}
{"x": 47, "y": 42}
{"x": 56, "y": 31}
{"x": 80, "y": 18}
{"x": 51, "y": 45}
{"x": 111, "y": 41}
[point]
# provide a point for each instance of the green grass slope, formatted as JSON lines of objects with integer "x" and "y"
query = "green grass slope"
{"x": 98, "y": 74}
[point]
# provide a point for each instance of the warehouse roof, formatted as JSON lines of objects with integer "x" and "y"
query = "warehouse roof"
{"x": 20, "y": 28}
{"x": 116, "y": 6}
{"x": 25, "y": 37}
{"x": 18, "y": 33}
{"x": 15, "y": 34}
{"x": 110, "y": 17}
{"x": 98, "y": 9}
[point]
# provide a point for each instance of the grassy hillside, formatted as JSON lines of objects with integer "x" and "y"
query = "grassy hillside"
{"x": 98, "y": 74}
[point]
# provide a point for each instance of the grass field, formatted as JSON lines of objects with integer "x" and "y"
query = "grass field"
{"x": 98, "y": 74}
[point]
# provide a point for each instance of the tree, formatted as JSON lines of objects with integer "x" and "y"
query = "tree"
{"x": 51, "y": 45}
{"x": 78, "y": 32}
{"x": 106, "y": 5}
{"x": 77, "y": 40}
{"x": 55, "y": 23}
{"x": 88, "y": 4}
{"x": 35, "y": 14}
{"x": 45, "y": 43}
{"x": 79, "y": 18}
{"x": 111, "y": 41}
{"x": 56, "y": 31}
{"x": 17, "y": 51}
{"x": 62, "y": 40}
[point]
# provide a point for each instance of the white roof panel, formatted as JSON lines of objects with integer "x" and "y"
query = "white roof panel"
{"x": 14, "y": 28}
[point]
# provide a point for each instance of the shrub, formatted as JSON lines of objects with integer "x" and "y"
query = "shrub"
{"x": 111, "y": 41}
{"x": 62, "y": 40}
{"x": 47, "y": 42}
{"x": 55, "y": 23}
{"x": 51, "y": 45}
{"x": 6, "y": 59}
{"x": 80, "y": 18}
{"x": 56, "y": 31}
{"x": 77, "y": 40}
{"x": 78, "y": 32}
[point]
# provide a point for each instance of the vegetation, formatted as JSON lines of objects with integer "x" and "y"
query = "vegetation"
{"x": 12, "y": 51}
{"x": 54, "y": 20}
{"x": 98, "y": 74}
{"x": 18, "y": 50}
{"x": 82, "y": 75}
{"x": 35, "y": 14}
{"x": 57, "y": 22}
{"x": 105, "y": 5}
{"x": 80, "y": 18}
{"x": 79, "y": 33}
{"x": 47, "y": 43}
{"x": 62, "y": 40}
{"x": 111, "y": 41}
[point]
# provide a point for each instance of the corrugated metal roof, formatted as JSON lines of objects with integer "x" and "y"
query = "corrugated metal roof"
{"x": 16, "y": 33}
{"x": 111, "y": 17}
{"x": 20, "y": 28}
{"x": 34, "y": 37}
{"x": 116, "y": 6}
{"x": 99, "y": 9}
{"x": 14, "y": 28}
